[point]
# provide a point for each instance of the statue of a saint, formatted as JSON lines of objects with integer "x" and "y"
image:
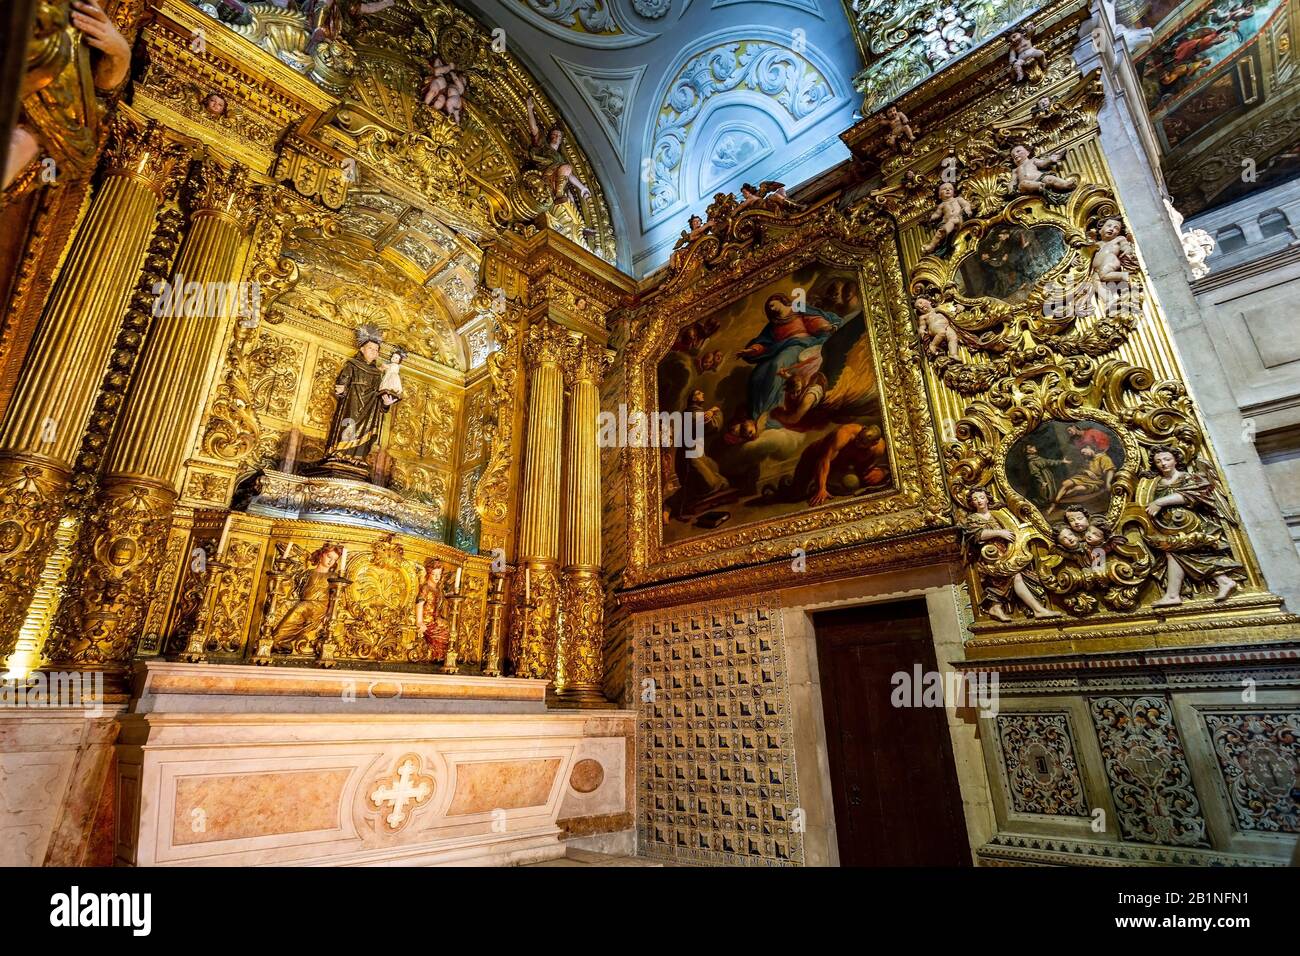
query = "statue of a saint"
{"x": 361, "y": 403}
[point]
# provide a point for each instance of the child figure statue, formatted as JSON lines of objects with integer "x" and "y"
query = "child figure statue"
{"x": 899, "y": 127}
{"x": 1024, "y": 55}
{"x": 391, "y": 383}
{"x": 950, "y": 213}
{"x": 1029, "y": 175}
{"x": 936, "y": 327}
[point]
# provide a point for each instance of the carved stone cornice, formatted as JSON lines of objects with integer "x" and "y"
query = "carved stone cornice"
{"x": 914, "y": 551}
{"x": 558, "y": 278}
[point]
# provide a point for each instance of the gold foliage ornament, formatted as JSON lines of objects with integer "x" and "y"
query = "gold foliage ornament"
{"x": 377, "y": 622}
{"x": 121, "y": 553}
{"x": 492, "y": 495}
{"x": 1083, "y": 477}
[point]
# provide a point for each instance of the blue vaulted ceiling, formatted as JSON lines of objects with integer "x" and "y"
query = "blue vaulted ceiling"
{"x": 675, "y": 100}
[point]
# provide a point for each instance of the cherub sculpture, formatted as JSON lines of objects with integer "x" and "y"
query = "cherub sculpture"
{"x": 1197, "y": 246}
{"x": 1024, "y": 55}
{"x": 1112, "y": 265}
{"x": 767, "y": 195}
{"x": 1029, "y": 176}
{"x": 444, "y": 88}
{"x": 936, "y": 326}
{"x": 696, "y": 227}
{"x": 544, "y": 155}
{"x": 950, "y": 213}
{"x": 899, "y": 127}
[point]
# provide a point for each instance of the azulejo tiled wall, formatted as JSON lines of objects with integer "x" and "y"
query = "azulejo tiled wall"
{"x": 715, "y": 752}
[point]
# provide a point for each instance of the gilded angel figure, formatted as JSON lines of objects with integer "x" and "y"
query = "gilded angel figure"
{"x": 1005, "y": 567}
{"x": 1191, "y": 516}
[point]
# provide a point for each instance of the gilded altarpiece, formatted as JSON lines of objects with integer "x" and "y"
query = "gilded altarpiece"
{"x": 360, "y": 207}
{"x": 1093, "y": 512}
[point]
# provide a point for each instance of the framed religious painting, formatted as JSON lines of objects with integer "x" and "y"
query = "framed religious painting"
{"x": 798, "y": 421}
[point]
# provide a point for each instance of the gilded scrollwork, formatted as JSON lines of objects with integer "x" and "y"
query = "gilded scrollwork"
{"x": 537, "y": 599}
{"x": 274, "y": 364}
{"x": 1082, "y": 477}
{"x": 492, "y": 493}
{"x": 31, "y": 503}
{"x": 229, "y": 582}
{"x": 120, "y": 553}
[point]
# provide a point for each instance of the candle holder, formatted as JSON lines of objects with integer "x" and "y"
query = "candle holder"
{"x": 493, "y": 629}
{"x": 328, "y": 648}
{"x": 276, "y": 575}
{"x": 196, "y": 650}
{"x": 527, "y": 606}
{"x": 449, "y": 663}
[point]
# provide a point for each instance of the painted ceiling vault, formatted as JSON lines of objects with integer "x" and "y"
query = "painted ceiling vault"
{"x": 1221, "y": 85}
{"x": 676, "y": 100}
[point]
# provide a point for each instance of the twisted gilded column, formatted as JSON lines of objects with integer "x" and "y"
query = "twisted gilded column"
{"x": 537, "y": 585}
{"x": 122, "y": 543}
{"x": 582, "y": 636}
{"x": 64, "y": 366}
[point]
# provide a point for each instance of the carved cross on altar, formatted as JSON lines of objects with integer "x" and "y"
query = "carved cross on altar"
{"x": 406, "y": 786}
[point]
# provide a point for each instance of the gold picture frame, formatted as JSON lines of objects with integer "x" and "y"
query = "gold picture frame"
{"x": 774, "y": 247}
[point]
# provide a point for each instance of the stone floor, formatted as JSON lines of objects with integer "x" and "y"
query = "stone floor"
{"x": 576, "y": 857}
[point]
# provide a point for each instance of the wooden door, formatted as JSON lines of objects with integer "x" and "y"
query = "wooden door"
{"x": 895, "y": 787}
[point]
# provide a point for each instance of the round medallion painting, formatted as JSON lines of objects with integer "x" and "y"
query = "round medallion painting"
{"x": 1066, "y": 464}
{"x": 1010, "y": 260}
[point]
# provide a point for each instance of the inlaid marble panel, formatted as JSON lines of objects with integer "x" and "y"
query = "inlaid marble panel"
{"x": 502, "y": 785}
{"x": 1042, "y": 774}
{"x": 236, "y": 806}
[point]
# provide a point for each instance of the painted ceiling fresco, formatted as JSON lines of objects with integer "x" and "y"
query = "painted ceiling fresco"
{"x": 1220, "y": 83}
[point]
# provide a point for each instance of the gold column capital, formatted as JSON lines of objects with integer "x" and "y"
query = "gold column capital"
{"x": 585, "y": 360}
{"x": 545, "y": 343}
{"x": 221, "y": 190}
{"x": 142, "y": 150}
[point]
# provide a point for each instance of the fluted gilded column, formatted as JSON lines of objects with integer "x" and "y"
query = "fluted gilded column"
{"x": 582, "y": 633}
{"x": 537, "y": 585}
{"x": 64, "y": 367}
{"x": 122, "y": 543}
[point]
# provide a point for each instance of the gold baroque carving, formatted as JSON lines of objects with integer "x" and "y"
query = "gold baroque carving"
{"x": 274, "y": 362}
{"x": 492, "y": 494}
{"x": 1063, "y": 350}
{"x": 120, "y": 552}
